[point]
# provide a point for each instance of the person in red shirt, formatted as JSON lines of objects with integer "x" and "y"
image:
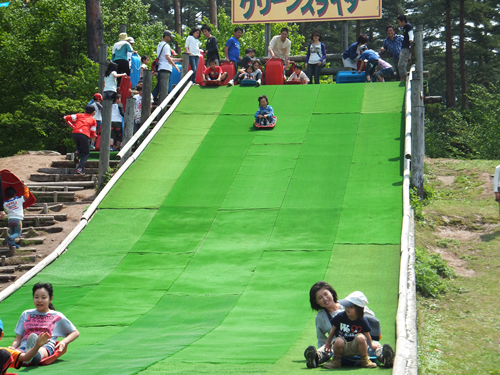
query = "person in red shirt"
{"x": 84, "y": 127}
{"x": 214, "y": 72}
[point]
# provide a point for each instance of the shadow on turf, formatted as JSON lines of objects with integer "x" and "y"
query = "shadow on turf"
{"x": 490, "y": 237}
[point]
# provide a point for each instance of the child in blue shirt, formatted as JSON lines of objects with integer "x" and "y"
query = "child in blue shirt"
{"x": 369, "y": 58}
{"x": 265, "y": 114}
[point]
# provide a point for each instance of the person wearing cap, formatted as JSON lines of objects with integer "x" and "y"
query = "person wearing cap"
{"x": 351, "y": 55}
{"x": 131, "y": 41}
{"x": 369, "y": 59}
{"x": 96, "y": 103}
{"x": 84, "y": 127}
{"x": 165, "y": 62}
{"x": 120, "y": 55}
{"x": 323, "y": 299}
{"x": 350, "y": 333}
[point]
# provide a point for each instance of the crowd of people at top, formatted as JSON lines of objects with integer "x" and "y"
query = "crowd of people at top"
{"x": 247, "y": 68}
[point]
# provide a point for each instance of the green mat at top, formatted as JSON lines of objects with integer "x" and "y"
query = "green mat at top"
{"x": 206, "y": 100}
{"x": 383, "y": 97}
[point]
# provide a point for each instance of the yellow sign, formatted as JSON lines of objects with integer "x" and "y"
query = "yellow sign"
{"x": 267, "y": 11}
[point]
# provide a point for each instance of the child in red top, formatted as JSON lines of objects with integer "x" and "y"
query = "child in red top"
{"x": 84, "y": 127}
{"x": 214, "y": 72}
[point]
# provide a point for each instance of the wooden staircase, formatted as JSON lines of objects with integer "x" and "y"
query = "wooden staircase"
{"x": 54, "y": 188}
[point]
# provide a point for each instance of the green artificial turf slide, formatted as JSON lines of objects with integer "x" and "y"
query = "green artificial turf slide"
{"x": 201, "y": 257}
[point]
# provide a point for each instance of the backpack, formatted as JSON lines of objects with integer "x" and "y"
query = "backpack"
{"x": 155, "y": 65}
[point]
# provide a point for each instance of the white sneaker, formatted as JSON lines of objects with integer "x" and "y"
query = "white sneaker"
{"x": 231, "y": 83}
{"x": 30, "y": 343}
{"x": 258, "y": 83}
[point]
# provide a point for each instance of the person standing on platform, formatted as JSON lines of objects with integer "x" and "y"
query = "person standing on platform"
{"x": 279, "y": 48}
{"x": 405, "y": 53}
{"x": 316, "y": 55}
{"x": 392, "y": 43}
{"x": 232, "y": 51}
{"x": 165, "y": 61}
{"x": 496, "y": 186}
{"x": 212, "y": 46}
{"x": 120, "y": 55}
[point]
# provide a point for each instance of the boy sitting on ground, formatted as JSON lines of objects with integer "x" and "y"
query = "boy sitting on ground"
{"x": 214, "y": 72}
{"x": 298, "y": 75}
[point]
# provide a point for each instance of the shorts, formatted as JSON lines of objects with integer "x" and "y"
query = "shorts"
{"x": 50, "y": 346}
{"x": 116, "y": 131}
{"x": 497, "y": 200}
{"x": 351, "y": 347}
{"x": 350, "y": 63}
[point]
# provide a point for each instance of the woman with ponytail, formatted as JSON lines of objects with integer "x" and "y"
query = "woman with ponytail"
{"x": 43, "y": 318}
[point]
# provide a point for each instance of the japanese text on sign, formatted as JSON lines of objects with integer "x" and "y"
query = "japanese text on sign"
{"x": 266, "y": 11}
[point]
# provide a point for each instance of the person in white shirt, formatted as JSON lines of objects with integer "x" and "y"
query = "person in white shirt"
{"x": 279, "y": 47}
{"x": 496, "y": 185}
{"x": 165, "y": 61}
{"x": 193, "y": 50}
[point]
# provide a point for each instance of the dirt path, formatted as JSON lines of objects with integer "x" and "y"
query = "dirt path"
{"x": 25, "y": 165}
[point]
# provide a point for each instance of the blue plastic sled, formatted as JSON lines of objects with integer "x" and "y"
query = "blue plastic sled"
{"x": 270, "y": 126}
{"x": 248, "y": 82}
{"x": 135, "y": 70}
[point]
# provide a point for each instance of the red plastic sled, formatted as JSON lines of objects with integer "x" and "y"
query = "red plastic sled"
{"x": 125, "y": 85}
{"x": 271, "y": 126}
{"x": 295, "y": 83}
{"x": 10, "y": 179}
{"x": 228, "y": 67}
{"x": 50, "y": 359}
{"x": 274, "y": 72}
{"x": 213, "y": 83}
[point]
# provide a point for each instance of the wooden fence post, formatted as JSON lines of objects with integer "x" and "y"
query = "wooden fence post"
{"x": 128, "y": 129}
{"x": 103, "y": 57}
{"x": 105, "y": 137}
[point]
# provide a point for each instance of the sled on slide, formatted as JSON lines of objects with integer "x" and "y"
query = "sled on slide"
{"x": 50, "y": 359}
{"x": 270, "y": 126}
{"x": 9, "y": 179}
{"x": 213, "y": 83}
{"x": 248, "y": 82}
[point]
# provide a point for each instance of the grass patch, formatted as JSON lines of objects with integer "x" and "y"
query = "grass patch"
{"x": 459, "y": 331}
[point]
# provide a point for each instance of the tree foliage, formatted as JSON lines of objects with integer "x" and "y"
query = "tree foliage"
{"x": 45, "y": 72}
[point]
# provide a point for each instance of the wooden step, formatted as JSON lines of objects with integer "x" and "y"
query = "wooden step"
{"x": 54, "y": 196}
{"x": 23, "y": 259}
{"x": 8, "y": 269}
{"x": 67, "y": 171}
{"x": 25, "y": 250}
{"x": 58, "y": 217}
{"x": 6, "y": 252}
{"x": 26, "y": 267}
{"x": 35, "y": 188}
{"x": 7, "y": 278}
{"x": 72, "y": 164}
{"x": 46, "y": 207}
{"x": 58, "y": 178}
{"x": 30, "y": 241}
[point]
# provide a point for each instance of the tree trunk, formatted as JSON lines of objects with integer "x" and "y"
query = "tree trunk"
{"x": 463, "y": 78}
{"x": 450, "y": 83}
{"x": 212, "y": 10}
{"x": 177, "y": 19}
{"x": 95, "y": 28}
{"x": 358, "y": 28}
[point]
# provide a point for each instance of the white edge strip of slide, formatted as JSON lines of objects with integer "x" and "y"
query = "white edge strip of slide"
{"x": 93, "y": 207}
